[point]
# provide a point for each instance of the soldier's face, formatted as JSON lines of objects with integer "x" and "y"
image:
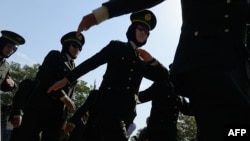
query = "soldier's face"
{"x": 74, "y": 50}
{"x": 9, "y": 49}
{"x": 142, "y": 33}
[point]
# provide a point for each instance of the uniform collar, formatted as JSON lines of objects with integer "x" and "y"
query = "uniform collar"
{"x": 133, "y": 45}
{"x": 69, "y": 62}
{"x": 68, "y": 57}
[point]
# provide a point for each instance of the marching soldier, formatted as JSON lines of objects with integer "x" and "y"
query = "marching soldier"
{"x": 9, "y": 42}
{"x": 166, "y": 105}
{"x": 46, "y": 113}
{"x": 88, "y": 108}
{"x": 122, "y": 78}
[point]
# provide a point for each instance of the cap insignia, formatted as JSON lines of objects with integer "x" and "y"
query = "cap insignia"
{"x": 148, "y": 17}
{"x": 79, "y": 37}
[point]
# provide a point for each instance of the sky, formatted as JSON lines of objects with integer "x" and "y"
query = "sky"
{"x": 43, "y": 22}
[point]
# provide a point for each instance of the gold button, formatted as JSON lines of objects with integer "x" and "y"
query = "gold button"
{"x": 129, "y": 78}
{"x": 131, "y": 70}
{"x": 196, "y": 33}
{"x": 228, "y": 1}
{"x": 128, "y": 88}
{"x": 134, "y": 62}
{"x": 122, "y": 58}
{"x": 226, "y": 30}
{"x": 226, "y": 16}
{"x": 109, "y": 88}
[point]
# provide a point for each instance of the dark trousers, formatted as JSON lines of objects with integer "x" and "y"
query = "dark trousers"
{"x": 78, "y": 133}
{"x": 43, "y": 125}
{"x": 113, "y": 130}
{"x": 161, "y": 131}
{"x": 106, "y": 128}
{"x": 16, "y": 135}
{"x": 219, "y": 99}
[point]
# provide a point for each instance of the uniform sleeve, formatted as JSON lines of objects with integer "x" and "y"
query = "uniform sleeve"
{"x": 147, "y": 95}
{"x": 47, "y": 74}
{"x": 86, "y": 107}
{"x": 156, "y": 72}
{"x": 79, "y": 113}
{"x": 51, "y": 70}
{"x": 22, "y": 96}
{"x": 120, "y": 7}
{"x": 92, "y": 63}
{"x": 5, "y": 87}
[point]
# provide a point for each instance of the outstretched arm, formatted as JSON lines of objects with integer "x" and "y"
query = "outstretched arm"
{"x": 114, "y": 8}
{"x": 58, "y": 85}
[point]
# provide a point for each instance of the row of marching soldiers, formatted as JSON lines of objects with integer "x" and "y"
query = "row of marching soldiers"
{"x": 40, "y": 106}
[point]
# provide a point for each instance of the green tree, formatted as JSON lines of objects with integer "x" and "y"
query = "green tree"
{"x": 186, "y": 126}
{"x": 18, "y": 74}
{"x": 81, "y": 93}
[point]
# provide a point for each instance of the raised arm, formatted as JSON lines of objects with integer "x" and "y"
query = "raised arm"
{"x": 114, "y": 8}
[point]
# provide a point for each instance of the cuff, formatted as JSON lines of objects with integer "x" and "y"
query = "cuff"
{"x": 153, "y": 62}
{"x": 137, "y": 99}
{"x": 71, "y": 124}
{"x": 16, "y": 111}
{"x": 101, "y": 14}
{"x": 17, "y": 116}
{"x": 63, "y": 98}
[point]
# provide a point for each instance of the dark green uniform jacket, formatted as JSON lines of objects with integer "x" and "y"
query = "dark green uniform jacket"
{"x": 122, "y": 78}
{"x": 55, "y": 66}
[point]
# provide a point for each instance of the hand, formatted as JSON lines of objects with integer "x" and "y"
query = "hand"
{"x": 16, "y": 121}
{"x": 144, "y": 55}
{"x": 58, "y": 85}
{"x": 87, "y": 22}
{"x": 69, "y": 128}
{"x": 10, "y": 82}
{"x": 69, "y": 103}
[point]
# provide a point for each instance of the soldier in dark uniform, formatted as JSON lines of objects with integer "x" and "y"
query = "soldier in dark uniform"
{"x": 20, "y": 100}
{"x": 9, "y": 42}
{"x": 87, "y": 130}
{"x": 46, "y": 113}
{"x": 166, "y": 105}
{"x": 143, "y": 136}
{"x": 19, "y": 103}
{"x": 121, "y": 81}
{"x": 79, "y": 131}
{"x": 209, "y": 64}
